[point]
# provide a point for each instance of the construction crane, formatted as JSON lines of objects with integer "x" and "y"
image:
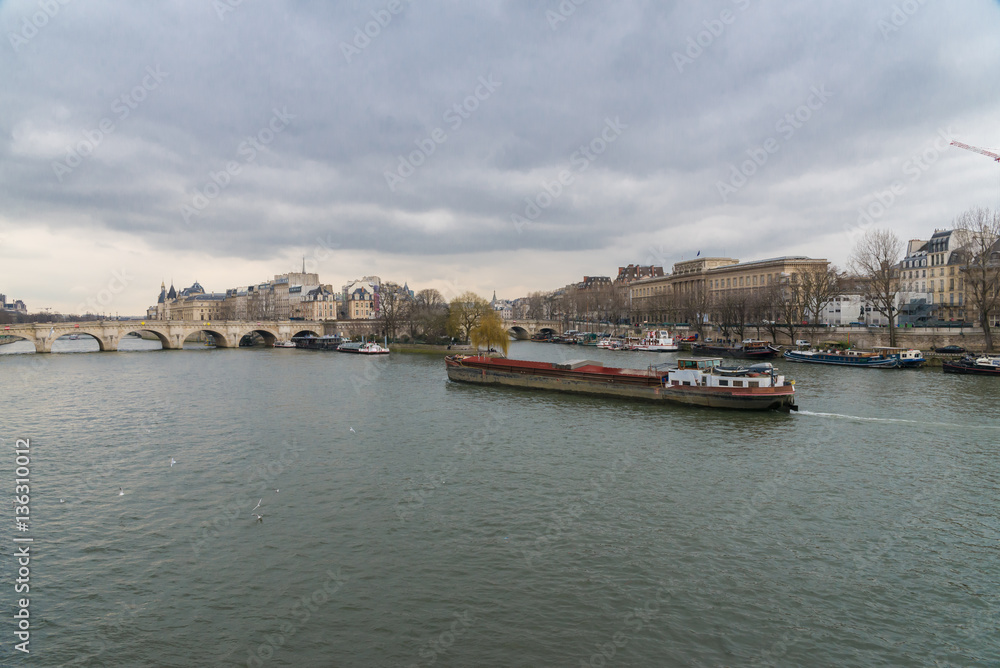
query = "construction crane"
{"x": 983, "y": 151}
{"x": 976, "y": 149}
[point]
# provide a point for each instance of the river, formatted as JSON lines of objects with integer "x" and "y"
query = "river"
{"x": 411, "y": 521}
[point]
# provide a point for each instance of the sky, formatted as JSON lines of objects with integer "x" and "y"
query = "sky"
{"x": 508, "y": 146}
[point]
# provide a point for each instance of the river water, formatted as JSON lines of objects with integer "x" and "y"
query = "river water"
{"x": 411, "y": 521}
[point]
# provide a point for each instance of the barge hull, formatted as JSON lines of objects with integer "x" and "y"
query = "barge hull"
{"x": 648, "y": 389}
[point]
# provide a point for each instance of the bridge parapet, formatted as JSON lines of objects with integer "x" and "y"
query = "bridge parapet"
{"x": 171, "y": 333}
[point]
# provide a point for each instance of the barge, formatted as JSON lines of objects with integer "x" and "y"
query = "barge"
{"x": 981, "y": 366}
{"x": 693, "y": 382}
{"x": 883, "y": 357}
{"x": 749, "y": 349}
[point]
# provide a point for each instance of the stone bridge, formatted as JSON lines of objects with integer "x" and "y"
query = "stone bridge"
{"x": 525, "y": 329}
{"x": 171, "y": 333}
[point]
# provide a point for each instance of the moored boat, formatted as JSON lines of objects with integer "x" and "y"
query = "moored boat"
{"x": 369, "y": 348}
{"x": 750, "y": 349}
{"x": 693, "y": 382}
{"x": 656, "y": 341}
{"x": 609, "y": 343}
{"x": 909, "y": 358}
{"x": 859, "y": 358}
{"x": 285, "y": 344}
{"x": 980, "y": 366}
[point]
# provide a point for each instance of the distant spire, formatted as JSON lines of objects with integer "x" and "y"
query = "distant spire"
{"x": 303, "y": 264}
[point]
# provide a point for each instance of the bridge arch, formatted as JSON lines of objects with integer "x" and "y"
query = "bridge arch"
{"x": 307, "y": 332}
{"x": 519, "y": 333}
{"x": 164, "y": 341}
{"x": 220, "y": 339}
{"x": 103, "y": 344}
{"x": 268, "y": 335}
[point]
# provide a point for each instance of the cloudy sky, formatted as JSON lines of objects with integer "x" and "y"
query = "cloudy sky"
{"x": 508, "y": 145}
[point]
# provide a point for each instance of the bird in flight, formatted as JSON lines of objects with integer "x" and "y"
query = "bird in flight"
{"x": 257, "y": 506}
{"x": 352, "y": 430}
{"x": 172, "y": 461}
{"x": 260, "y": 518}
{"x": 121, "y": 492}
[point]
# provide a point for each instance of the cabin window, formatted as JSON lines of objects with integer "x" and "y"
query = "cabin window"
{"x": 723, "y": 383}
{"x": 753, "y": 383}
{"x": 737, "y": 383}
{"x": 686, "y": 383}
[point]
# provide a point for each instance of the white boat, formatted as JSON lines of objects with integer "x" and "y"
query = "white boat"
{"x": 657, "y": 341}
{"x": 370, "y": 348}
{"x": 284, "y": 344}
{"x": 610, "y": 344}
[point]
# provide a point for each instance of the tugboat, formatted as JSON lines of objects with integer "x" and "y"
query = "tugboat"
{"x": 694, "y": 382}
{"x": 749, "y": 349}
{"x": 980, "y": 366}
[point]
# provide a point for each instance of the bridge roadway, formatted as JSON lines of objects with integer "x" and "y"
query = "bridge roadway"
{"x": 227, "y": 334}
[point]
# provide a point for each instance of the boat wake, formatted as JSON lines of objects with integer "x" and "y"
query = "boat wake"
{"x": 859, "y": 418}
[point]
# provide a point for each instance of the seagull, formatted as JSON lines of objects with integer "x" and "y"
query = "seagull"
{"x": 257, "y": 506}
{"x": 172, "y": 461}
{"x": 121, "y": 492}
{"x": 260, "y": 518}
{"x": 276, "y": 491}
{"x": 352, "y": 430}
{"x": 62, "y": 501}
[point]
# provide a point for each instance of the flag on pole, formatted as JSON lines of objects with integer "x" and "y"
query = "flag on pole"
{"x": 698, "y": 253}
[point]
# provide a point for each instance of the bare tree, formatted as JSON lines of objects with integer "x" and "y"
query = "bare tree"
{"x": 427, "y": 315}
{"x": 261, "y": 305}
{"x": 876, "y": 260}
{"x": 770, "y": 306}
{"x": 465, "y": 312}
{"x": 980, "y": 265}
{"x": 393, "y": 305}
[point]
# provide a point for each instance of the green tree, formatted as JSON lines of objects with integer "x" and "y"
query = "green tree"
{"x": 489, "y": 333}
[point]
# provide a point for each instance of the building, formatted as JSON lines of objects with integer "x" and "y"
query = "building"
{"x": 15, "y": 306}
{"x": 360, "y": 298}
{"x": 277, "y": 299}
{"x": 191, "y": 303}
{"x": 594, "y": 282}
{"x": 503, "y": 307}
{"x": 710, "y": 278}
{"x": 319, "y": 303}
{"x": 634, "y": 272}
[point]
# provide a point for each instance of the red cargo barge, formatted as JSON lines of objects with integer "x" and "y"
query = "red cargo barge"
{"x": 694, "y": 382}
